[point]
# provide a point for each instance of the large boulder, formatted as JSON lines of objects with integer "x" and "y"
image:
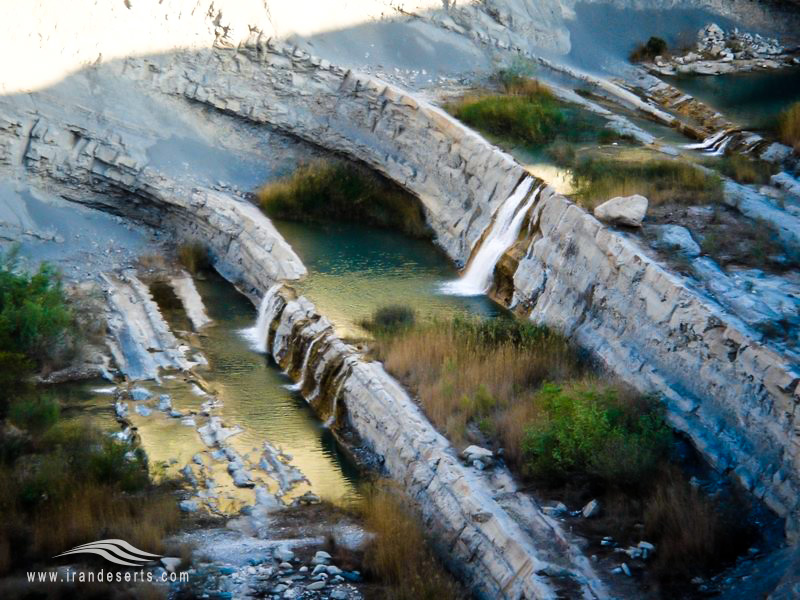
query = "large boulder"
{"x": 623, "y": 210}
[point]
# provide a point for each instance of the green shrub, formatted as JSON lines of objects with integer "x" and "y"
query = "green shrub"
{"x": 789, "y": 126}
{"x": 532, "y": 117}
{"x": 586, "y": 429}
{"x": 342, "y": 191}
{"x": 33, "y": 310}
{"x": 35, "y": 413}
{"x": 390, "y": 319}
{"x": 655, "y": 46}
{"x": 110, "y": 464}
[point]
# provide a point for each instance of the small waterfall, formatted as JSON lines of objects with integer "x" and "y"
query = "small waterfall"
{"x": 298, "y": 387}
{"x": 257, "y": 334}
{"x": 503, "y": 233}
{"x": 331, "y": 420}
{"x": 713, "y": 145}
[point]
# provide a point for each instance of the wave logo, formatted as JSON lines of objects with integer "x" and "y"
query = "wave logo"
{"x": 118, "y": 552}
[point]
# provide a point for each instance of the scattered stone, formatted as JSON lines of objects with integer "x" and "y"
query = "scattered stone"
{"x": 321, "y": 558}
{"x": 121, "y": 408}
{"x": 142, "y": 410}
{"x": 188, "y": 506}
{"x": 623, "y": 210}
{"x": 591, "y": 510}
{"x": 676, "y": 238}
{"x": 171, "y": 563}
{"x": 319, "y": 569}
{"x": 164, "y": 403}
{"x": 647, "y": 546}
{"x": 339, "y": 595}
{"x": 557, "y": 510}
{"x": 625, "y": 569}
{"x": 308, "y": 499}
{"x": 334, "y": 570}
{"x": 139, "y": 393}
{"x": 285, "y": 566}
{"x": 317, "y": 585}
{"x": 189, "y": 422}
{"x": 283, "y": 554}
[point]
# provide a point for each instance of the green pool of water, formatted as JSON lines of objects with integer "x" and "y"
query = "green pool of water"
{"x": 354, "y": 269}
{"x": 752, "y": 100}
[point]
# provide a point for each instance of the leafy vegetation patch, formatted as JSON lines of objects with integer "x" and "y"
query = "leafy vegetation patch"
{"x": 326, "y": 190}
{"x": 647, "y": 52}
{"x": 61, "y": 483}
{"x": 661, "y": 181}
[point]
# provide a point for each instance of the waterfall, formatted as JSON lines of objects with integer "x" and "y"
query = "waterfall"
{"x": 339, "y": 386}
{"x": 502, "y": 234}
{"x": 713, "y": 145}
{"x": 298, "y": 387}
{"x": 257, "y": 334}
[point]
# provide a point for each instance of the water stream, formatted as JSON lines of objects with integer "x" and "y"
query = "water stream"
{"x": 502, "y": 233}
{"x": 751, "y": 100}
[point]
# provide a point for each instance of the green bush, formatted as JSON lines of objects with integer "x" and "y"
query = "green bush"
{"x": 35, "y": 413}
{"x": 342, "y": 191}
{"x": 109, "y": 464}
{"x": 532, "y": 117}
{"x": 586, "y": 429}
{"x": 33, "y": 310}
{"x": 390, "y": 319}
{"x": 655, "y": 46}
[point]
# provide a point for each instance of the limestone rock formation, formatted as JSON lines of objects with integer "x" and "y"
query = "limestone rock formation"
{"x": 623, "y": 210}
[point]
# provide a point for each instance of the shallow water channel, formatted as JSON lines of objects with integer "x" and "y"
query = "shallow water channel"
{"x": 752, "y": 100}
{"x": 352, "y": 271}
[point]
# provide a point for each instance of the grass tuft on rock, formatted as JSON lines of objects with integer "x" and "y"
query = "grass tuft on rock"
{"x": 335, "y": 190}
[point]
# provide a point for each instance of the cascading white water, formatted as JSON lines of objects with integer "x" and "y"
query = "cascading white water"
{"x": 297, "y": 387}
{"x": 257, "y": 334}
{"x": 713, "y": 145}
{"x": 504, "y": 231}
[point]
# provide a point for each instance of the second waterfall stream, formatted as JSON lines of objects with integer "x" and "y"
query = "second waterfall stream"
{"x": 502, "y": 234}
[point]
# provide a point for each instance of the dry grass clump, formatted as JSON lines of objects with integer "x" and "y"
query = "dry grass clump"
{"x": 789, "y": 126}
{"x": 326, "y": 190}
{"x": 744, "y": 169}
{"x": 399, "y": 556}
{"x": 469, "y": 370}
{"x": 194, "y": 256}
{"x": 661, "y": 181}
{"x": 695, "y": 534}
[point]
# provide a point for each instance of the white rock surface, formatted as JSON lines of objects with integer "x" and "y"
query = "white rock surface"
{"x": 623, "y": 210}
{"x": 676, "y": 238}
